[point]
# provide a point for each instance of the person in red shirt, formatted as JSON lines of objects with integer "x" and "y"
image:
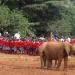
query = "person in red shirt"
{"x": 65, "y": 39}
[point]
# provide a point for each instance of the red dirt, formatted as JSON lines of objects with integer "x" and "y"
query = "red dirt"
{"x": 30, "y": 65}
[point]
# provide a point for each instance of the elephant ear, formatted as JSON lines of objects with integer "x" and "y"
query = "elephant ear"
{"x": 67, "y": 47}
{"x": 42, "y": 47}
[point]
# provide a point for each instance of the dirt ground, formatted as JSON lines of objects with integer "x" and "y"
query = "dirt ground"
{"x": 30, "y": 65}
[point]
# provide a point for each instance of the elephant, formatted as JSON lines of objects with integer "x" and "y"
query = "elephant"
{"x": 54, "y": 51}
{"x": 42, "y": 56}
{"x": 72, "y": 49}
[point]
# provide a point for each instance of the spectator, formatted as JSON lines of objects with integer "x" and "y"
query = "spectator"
{"x": 41, "y": 38}
{"x": 17, "y": 36}
{"x": 62, "y": 39}
{"x": 6, "y": 34}
{"x": 0, "y": 34}
{"x": 69, "y": 39}
{"x": 65, "y": 39}
{"x": 56, "y": 36}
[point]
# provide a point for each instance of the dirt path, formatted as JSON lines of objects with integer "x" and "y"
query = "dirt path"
{"x": 30, "y": 65}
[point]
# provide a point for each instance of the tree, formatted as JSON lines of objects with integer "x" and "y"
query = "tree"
{"x": 42, "y": 16}
{"x": 12, "y": 21}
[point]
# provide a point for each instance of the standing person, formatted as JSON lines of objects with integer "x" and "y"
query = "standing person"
{"x": 56, "y": 36}
{"x": 62, "y": 39}
{"x": 65, "y": 39}
{"x": 69, "y": 39}
{"x": 42, "y": 37}
{"x": 51, "y": 37}
{"x": 0, "y": 34}
{"x": 6, "y": 34}
{"x": 17, "y": 36}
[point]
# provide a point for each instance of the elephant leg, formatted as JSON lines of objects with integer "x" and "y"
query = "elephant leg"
{"x": 59, "y": 63}
{"x": 41, "y": 61}
{"x": 49, "y": 64}
{"x": 44, "y": 60}
{"x": 65, "y": 61}
{"x": 56, "y": 62}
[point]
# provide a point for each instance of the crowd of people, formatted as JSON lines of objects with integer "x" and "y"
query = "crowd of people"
{"x": 27, "y": 45}
{"x": 18, "y": 45}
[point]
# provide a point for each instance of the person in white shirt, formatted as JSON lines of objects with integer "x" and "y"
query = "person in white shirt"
{"x": 69, "y": 39}
{"x": 0, "y": 34}
{"x": 17, "y": 36}
{"x": 62, "y": 40}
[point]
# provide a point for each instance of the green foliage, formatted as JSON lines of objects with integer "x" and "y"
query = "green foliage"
{"x": 38, "y": 16}
{"x": 13, "y": 21}
{"x": 20, "y": 23}
{"x": 4, "y": 17}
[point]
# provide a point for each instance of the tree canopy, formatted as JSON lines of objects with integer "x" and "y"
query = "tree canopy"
{"x": 37, "y": 16}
